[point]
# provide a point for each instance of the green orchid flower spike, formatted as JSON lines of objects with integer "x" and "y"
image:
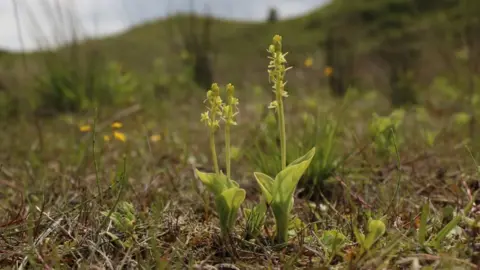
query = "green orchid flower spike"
{"x": 278, "y": 193}
{"x": 227, "y": 193}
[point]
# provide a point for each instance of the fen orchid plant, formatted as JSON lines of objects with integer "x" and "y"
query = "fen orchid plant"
{"x": 278, "y": 193}
{"x": 227, "y": 193}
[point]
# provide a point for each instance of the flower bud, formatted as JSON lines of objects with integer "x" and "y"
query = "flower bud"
{"x": 215, "y": 89}
{"x": 230, "y": 90}
{"x": 277, "y": 39}
{"x": 273, "y": 105}
{"x": 277, "y": 42}
{"x": 271, "y": 49}
{"x": 209, "y": 94}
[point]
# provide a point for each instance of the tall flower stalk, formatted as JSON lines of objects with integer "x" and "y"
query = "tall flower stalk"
{"x": 279, "y": 192}
{"x": 228, "y": 195}
{"x": 229, "y": 112}
{"x": 210, "y": 119}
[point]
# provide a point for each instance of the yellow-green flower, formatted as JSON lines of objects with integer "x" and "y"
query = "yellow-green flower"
{"x": 273, "y": 105}
{"x": 119, "y": 136}
{"x": 204, "y": 118}
{"x": 230, "y": 109}
{"x": 215, "y": 107}
{"x": 85, "y": 128}
{"x": 106, "y": 138}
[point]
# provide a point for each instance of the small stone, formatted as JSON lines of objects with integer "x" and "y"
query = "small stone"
{"x": 226, "y": 266}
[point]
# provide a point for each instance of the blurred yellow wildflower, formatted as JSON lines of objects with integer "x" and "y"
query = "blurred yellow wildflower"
{"x": 155, "y": 138}
{"x": 328, "y": 71}
{"x": 117, "y": 125}
{"x": 106, "y": 138}
{"x": 119, "y": 136}
{"x": 85, "y": 128}
{"x": 308, "y": 62}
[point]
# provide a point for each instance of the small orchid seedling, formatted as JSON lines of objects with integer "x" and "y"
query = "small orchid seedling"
{"x": 278, "y": 193}
{"x": 228, "y": 195}
{"x": 376, "y": 229}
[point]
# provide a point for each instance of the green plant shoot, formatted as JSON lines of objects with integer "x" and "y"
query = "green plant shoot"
{"x": 228, "y": 198}
{"x": 422, "y": 230}
{"x": 124, "y": 220}
{"x": 383, "y": 129}
{"x": 278, "y": 192}
{"x": 376, "y": 229}
{"x": 334, "y": 241}
{"x": 255, "y": 219}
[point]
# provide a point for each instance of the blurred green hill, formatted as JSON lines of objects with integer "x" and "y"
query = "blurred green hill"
{"x": 395, "y": 46}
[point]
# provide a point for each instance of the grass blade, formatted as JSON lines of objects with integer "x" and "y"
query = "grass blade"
{"x": 422, "y": 230}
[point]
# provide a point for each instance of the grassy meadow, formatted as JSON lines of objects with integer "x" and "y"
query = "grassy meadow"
{"x": 179, "y": 144}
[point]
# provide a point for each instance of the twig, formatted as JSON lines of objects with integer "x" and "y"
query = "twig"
{"x": 355, "y": 196}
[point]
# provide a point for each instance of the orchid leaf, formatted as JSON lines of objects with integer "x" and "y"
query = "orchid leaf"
{"x": 228, "y": 203}
{"x": 266, "y": 183}
{"x": 376, "y": 229}
{"x": 286, "y": 181}
{"x": 280, "y": 191}
{"x": 216, "y": 183}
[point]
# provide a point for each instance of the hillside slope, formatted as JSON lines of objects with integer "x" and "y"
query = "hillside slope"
{"x": 369, "y": 44}
{"x": 238, "y": 48}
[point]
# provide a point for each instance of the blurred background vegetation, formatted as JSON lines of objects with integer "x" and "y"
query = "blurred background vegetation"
{"x": 409, "y": 51}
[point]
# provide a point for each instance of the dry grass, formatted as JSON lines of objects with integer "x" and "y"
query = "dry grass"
{"x": 52, "y": 211}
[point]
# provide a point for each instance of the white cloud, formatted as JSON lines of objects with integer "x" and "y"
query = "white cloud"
{"x": 41, "y": 22}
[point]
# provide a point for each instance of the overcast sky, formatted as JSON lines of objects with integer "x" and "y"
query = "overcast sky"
{"x": 102, "y": 17}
